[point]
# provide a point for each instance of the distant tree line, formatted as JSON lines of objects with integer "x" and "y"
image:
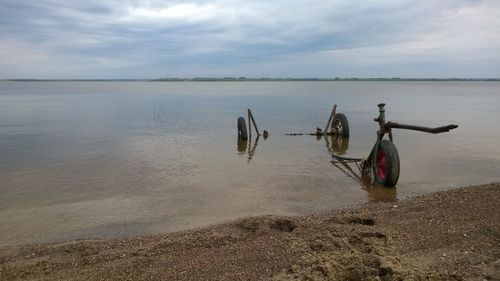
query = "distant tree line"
{"x": 242, "y": 78}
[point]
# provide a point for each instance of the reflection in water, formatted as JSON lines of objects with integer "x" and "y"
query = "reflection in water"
{"x": 378, "y": 193}
{"x": 244, "y": 144}
{"x": 338, "y": 145}
{"x": 251, "y": 149}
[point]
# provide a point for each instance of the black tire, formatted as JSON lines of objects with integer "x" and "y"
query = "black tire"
{"x": 341, "y": 126}
{"x": 386, "y": 168}
{"x": 242, "y": 128}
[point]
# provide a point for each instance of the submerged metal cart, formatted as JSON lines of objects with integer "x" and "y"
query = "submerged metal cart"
{"x": 383, "y": 160}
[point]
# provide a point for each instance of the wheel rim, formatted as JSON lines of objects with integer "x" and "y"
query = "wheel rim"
{"x": 381, "y": 165}
{"x": 338, "y": 127}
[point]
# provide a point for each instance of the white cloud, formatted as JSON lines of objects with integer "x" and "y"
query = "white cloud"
{"x": 187, "y": 11}
{"x": 284, "y": 37}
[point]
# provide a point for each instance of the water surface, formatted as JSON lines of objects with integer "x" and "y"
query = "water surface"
{"x": 108, "y": 159}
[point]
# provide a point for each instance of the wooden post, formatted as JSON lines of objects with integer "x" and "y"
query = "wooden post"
{"x": 332, "y": 116}
{"x": 250, "y": 116}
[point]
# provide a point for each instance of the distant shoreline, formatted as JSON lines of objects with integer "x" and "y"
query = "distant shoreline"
{"x": 265, "y": 79}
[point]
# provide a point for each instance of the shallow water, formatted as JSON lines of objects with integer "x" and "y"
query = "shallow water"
{"x": 108, "y": 159}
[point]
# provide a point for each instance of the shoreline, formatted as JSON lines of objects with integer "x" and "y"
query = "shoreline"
{"x": 447, "y": 235}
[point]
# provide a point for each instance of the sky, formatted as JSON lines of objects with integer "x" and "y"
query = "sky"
{"x": 122, "y": 39}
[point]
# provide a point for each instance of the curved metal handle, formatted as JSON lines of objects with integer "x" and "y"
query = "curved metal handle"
{"x": 436, "y": 130}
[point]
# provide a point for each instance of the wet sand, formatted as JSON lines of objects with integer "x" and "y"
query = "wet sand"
{"x": 451, "y": 235}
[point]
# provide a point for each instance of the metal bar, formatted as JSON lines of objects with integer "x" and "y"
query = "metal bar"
{"x": 253, "y": 120}
{"x": 436, "y": 130}
{"x": 332, "y": 116}
{"x": 359, "y": 167}
{"x": 371, "y": 156}
{"x": 346, "y": 158}
{"x": 249, "y": 124}
{"x": 309, "y": 134}
{"x": 355, "y": 177}
{"x": 350, "y": 169}
{"x": 381, "y": 116}
{"x": 346, "y": 161}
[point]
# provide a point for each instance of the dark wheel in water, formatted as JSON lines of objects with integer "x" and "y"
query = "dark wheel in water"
{"x": 341, "y": 126}
{"x": 242, "y": 128}
{"x": 386, "y": 171}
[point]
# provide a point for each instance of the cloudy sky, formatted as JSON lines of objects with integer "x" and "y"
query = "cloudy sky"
{"x": 292, "y": 38}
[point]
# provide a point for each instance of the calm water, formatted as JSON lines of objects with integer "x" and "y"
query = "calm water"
{"x": 109, "y": 159}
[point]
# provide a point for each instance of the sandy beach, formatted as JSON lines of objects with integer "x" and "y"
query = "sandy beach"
{"x": 450, "y": 235}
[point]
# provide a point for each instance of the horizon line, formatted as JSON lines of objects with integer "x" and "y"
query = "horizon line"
{"x": 243, "y": 78}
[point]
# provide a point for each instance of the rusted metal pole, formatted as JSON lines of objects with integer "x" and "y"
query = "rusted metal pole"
{"x": 436, "y": 130}
{"x": 249, "y": 125}
{"x": 332, "y": 115}
{"x": 250, "y": 115}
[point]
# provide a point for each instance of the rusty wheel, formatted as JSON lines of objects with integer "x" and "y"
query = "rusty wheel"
{"x": 386, "y": 170}
{"x": 341, "y": 126}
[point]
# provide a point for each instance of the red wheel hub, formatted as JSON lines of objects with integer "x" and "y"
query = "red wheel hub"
{"x": 381, "y": 165}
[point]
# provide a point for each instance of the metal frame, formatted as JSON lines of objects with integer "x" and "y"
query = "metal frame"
{"x": 385, "y": 128}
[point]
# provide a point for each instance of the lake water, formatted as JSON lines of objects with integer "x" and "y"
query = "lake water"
{"x": 111, "y": 159}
